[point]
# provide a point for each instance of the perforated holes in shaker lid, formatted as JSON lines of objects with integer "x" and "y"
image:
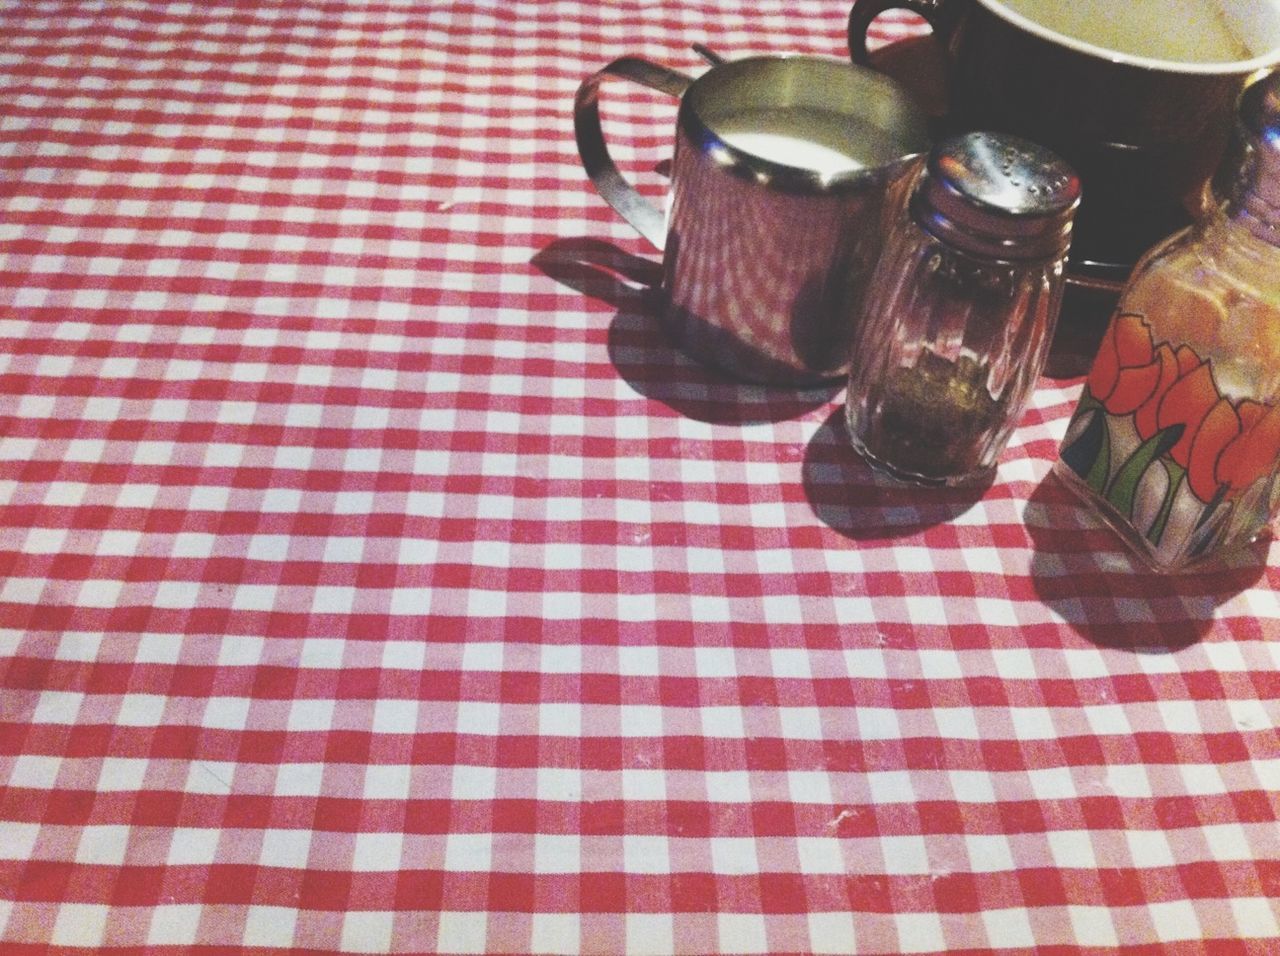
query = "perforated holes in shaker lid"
{"x": 997, "y": 196}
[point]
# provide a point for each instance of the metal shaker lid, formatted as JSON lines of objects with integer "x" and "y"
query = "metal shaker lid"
{"x": 998, "y": 196}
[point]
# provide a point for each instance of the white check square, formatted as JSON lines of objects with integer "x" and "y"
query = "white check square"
{"x": 1092, "y": 926}
{"x": 1175, "y": 921}
{"x": 722, "y": 722}
{"x": 556, "y": 933}
{"x": 387, "y": 781}
{"x": 104, "y": 844}
{"x": 820, "y": 855}
{"x": 905, "y": 855}
{"x": 270, "y": 926}
{"x": 391, "y": 716}
{"x": 80, "y": 924}
{"x": 810, "y": 786}
{"x": 1072, "y": 849}
{"x": 729, "y": 786}
{"x": 462, "y": 933}
{"x": 239, "y": 650}
{"x": 367, "y": 932}
{"x": 299, "y": 780}
{"x": 226, "y": 713}
{"x": 59, "y": 707}
{"x": 1149, "y": 848}
{"x": 560, "y": 720}
{"x": 640, "y": 720}
{"x": 650, "y": 933}
{"x": 193, "y": 847}
{"x": 920, "y": 933}
{"x": 832, "y": 934}
{"x": 643, "y": 784}
{"x": 468, "y": 852}
{"x": 286, "y": 849}
{"x": 734, "y": 856}
{"x": 1256, "y": 918}
{"x": 743, "y": 933}
{"x": 404, "y": 655}
{"x": 710, "y": 662}
{"x": 1009, "y": 928}
{"x": 474, "y": 782}
{"x": 891, "y": 786}
{"x": 801, "y": 723}
{"x": 645, "y": 854}
{"x": 141, "y": 710}
{"x": 34, "y": 772}
{"x": 311, "y": 715}
{"x": 478, "y": 717}
{"x": 560, "y": 659}
{"x": 559, "y": 783}
{"x": 324, "y": 653}
{"x": 174, "y": 924}
{"x": 377, "y": 852}
{"x": 638, "y": 661}
{"x": 557, "y": 853}
{"x": 1227, "y": 841}
{"x": 19, "y": 840}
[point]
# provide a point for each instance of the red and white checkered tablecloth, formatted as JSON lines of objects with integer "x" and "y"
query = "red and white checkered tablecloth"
{"x": 376, "y": 576}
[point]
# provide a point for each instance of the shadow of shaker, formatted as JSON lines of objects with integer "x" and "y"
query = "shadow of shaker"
{"x": 1107, "y": 595}
{"x": 851, "y": 497}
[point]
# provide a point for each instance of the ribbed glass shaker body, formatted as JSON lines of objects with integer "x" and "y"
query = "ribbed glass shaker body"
{"x": 958, "y": 320}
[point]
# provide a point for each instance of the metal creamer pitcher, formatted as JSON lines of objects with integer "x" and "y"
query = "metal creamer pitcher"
{"x": 777, "y": 189}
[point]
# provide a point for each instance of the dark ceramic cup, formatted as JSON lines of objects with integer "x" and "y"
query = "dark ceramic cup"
{"x": 1138, "y": 97}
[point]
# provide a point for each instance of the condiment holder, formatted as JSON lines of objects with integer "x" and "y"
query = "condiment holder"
{"x": 959, "y": 316}
{"x": 1176, "y": 440}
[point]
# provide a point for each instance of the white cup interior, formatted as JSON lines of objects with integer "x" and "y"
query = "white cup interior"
{"x": 1185, "y": 36}
{"x": 826, "y": 118}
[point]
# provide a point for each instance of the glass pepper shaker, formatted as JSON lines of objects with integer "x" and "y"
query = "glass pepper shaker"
{"x": 957, "y": 321}
{"x": 1176, "y": 439}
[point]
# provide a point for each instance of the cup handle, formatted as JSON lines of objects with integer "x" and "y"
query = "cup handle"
{"x": 643, "y": 216}
{"x": 941, "y": 15}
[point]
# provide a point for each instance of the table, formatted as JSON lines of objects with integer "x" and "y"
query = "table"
{"x": 376, "y": 576}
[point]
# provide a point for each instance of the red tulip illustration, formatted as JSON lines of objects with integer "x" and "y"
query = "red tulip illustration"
{"x": 1173, "y": 365}
{"x": 1214, "y": 446}
{"x": 1125, "y": 366}
{"x": 1254, "y": 452}
{"x": 1188, "y": 403}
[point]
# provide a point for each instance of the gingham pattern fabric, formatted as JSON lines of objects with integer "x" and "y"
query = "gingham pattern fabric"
{"x": 377, "y": 576}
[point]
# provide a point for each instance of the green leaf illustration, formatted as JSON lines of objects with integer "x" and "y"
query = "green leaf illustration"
{"x": 1101, "y": 467}
{"x": 1212, "y": 526}
{"x": 1090, "y": 453}
{"x": 1124, "y": 486}
{"x": 1176, "y": 474}
{"x": 1212, "y": 506}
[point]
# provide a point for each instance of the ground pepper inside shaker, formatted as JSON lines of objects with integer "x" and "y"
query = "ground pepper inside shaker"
{"x": 934, "y": 416}
{"x": 957, "y": 322}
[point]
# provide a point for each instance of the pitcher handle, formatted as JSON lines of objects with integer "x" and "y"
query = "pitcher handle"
{"x": 941, "y": 15}
{"x": 643, "y": 216}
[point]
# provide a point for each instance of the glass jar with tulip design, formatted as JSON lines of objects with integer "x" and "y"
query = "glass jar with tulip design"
{"x": 1176, "y": 439}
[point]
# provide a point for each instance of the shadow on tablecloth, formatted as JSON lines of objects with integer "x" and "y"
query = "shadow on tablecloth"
{"x": 850, "y": 497}
{"x": 645, "y": 355}
{"x": 1085, "y": 573}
